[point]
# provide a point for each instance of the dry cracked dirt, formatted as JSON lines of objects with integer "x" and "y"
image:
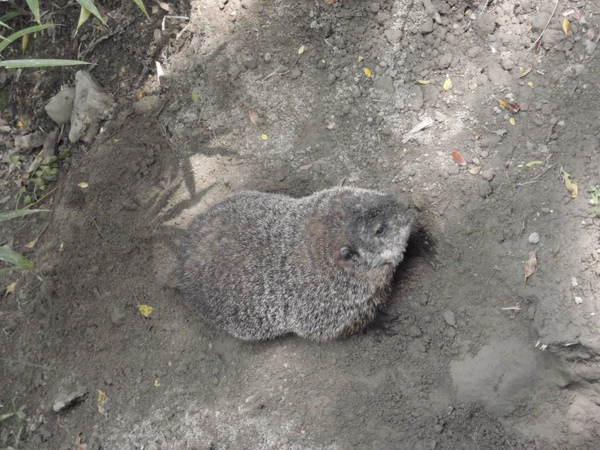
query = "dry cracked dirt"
{"x": 458, "y": 104}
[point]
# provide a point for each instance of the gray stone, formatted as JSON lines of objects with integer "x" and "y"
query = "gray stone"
{"x": 393, "y": 36}
{"x": 488, "y": 175}
{"x": 552, "y": 38}
{"x": 385, "y": 84}
{"x": 445, "y": 60}
{"x": 539, "y": 21}
{"x": 485, "y": 188}
{"x": 498, "y": 75}
{"x": 427, "y": 26}
{"x": 450, "y": 318}
{"x": 91, "y": 105}
{"x": 490, "y": 140}
{"x": 63, "y": 400}
{"x": 30, "y": 141}
{"x": 60, "y": 107}
{"x": 534, "y": 238}
{"x": 485, "y": 24}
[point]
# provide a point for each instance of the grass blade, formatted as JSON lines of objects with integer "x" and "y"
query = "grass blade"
{"x": 140, "y": 5}
{"x": 13, "y": 37}
{"x": 89, "y": 5}
{"x": 34, "y": 7}
{"x": 16, "y": 259}
{"x": 84, "y": 15}
{"x": 19, "y": 213}
{"x": 18, "y": 63}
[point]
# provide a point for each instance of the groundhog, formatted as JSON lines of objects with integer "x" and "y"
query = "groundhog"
{"x": 265, "y": 265}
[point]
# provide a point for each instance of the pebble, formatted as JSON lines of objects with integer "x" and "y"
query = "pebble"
{"x": 393, "y": 36}
{"x": 490, "y": 140}
{"x": 427, "y": 26}
{"x": 534, "y": 238}
{"x": 375, "y": 7}
{"x": 445, "y": 60}
{"x": 450, "y": 318}
{"x": 60, "y": 107}
{"x": 485, "y": 24}
{"x": 485, "y": 188}
{"x": 384, "y": 84}
{"x": 488, "y": 174}
{"x": 497, "y": 74}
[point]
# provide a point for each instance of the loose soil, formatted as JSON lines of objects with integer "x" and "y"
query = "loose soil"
{"x": 461, "y": 372}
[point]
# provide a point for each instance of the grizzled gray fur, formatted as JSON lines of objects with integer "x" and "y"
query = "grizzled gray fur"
{"x": 264, "y": 265}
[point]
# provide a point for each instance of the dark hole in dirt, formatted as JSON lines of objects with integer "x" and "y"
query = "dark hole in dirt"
{"x": 420, "y": 244}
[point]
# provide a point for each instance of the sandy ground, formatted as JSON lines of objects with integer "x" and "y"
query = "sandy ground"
{"x": 333, "y": 90}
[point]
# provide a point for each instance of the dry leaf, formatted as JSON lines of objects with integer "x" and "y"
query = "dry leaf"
{"x": 253, "y": 116}
{"x": 590, "y": 34}
{"x": 475, "y": 170}
{"x": 502, "y": 103}
{"x": 330, "y": 2}
{"x": 360, "y": 58}
{"x": 78, "y": 444}
{"x": 533, "y": 163}
{"x": 530, "y": 84}
{"x": 102, "y": 399}
{"x": 423, "y": 81}
{"x": 305, "y": 167}
{"x": 10, "y": 289}
{"x": 367, "y": 72}
{"x": 530, "y": 266}
{"x": 156, "y": 383}
{"x": 512, "y": 121}
{"x": 565, "y": 26}
{"x": 146, "y": 310}
{"x": 513, "y": 107}
{"x": 31, "y": 244}
{"x": 264, "y": 137}
{"x": 447, "y": 83}
{"x": 458, "y": 159}
{"x": 301, "y": 50}
{"x": 164, "y": 6}
{"x": 83, "y": 185}
{"x": 571, "y": 187}
{"x": 525, "y": 73}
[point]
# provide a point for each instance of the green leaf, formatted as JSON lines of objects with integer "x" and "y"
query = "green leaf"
{"x": 89, "y": 5}
{"x": 16, "y": 259}
{"x": 13, "y": 37}
{"x": 34, "y": 7}
{"x": 84, "y": 15}
{"x": 19, "y": 213}
{"x": 18, "y": 63}
{"x": 140, "y": 5}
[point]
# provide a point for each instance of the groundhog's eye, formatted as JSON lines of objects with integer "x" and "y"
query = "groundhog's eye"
{"x": 380, "y": 229}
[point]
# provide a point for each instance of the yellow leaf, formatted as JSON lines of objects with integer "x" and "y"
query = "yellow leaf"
{"x": 360, "y": 58}
{"x": 156, "y": 383}
{"x": 264, "y": 137}
{"x": 530, "y": 84}
{"x": 301, "y": 50}
{"x": 502, "y": 103}
{"x": 31, "y": 244}
{"x": 423, "y": 81}
{"x": 447, "y": 83}
{"x": 194, "y": 96}
{"x": 10, "y": 289}
{"x": 367, "y": 72}
{"x": 511, "y": 120}
{"x": 24, "y": 43}
{"x": 83, "y": 185}
{"x": 146, "y": 310}
{"x": 533, "y": 163}
{"x": 566, "y": 25}
{"x": 140, "y": 94}
{"x": 102, "y": 399}
{"x": 571, "y": 187}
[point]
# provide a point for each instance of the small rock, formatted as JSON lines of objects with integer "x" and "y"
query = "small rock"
{"x": 60, "y": 107}
{"x": 450, "y": 318}
{"x": 91, "y": 105}
{"x": 534, "y": 238}
{"x": 574, "y": 282}
{"x": 117, "y": 315}
{"x": 295, "y": 73}
{"x": 485, "y": 24}
{"x": 440, "y": 117}
{"x": 375, "y": 7}
{"x": 490, "y": 140}
{"x": 30, "y": 141}
{"x": 445, "y": 60}
{"x": 63, "y": 400}
{"x": 552, "y": 38}
{"x": 427, "y": 26}
{"x": 497, "y": 74}
{"x": 578, "y": 300}
{"x": 539, "y": 21}
{"x": 485, "y": 188}
{"x": 473, "y": 51}
{"x": 488, "y": 174}
{"x": 393, "y": 36}
{"x": 414, "y": 331}
{"x": 384, "y": 84}
{"x": 453, "y": 170}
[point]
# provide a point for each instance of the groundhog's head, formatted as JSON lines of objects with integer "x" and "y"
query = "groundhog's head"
{"x": 378, "y": 228}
